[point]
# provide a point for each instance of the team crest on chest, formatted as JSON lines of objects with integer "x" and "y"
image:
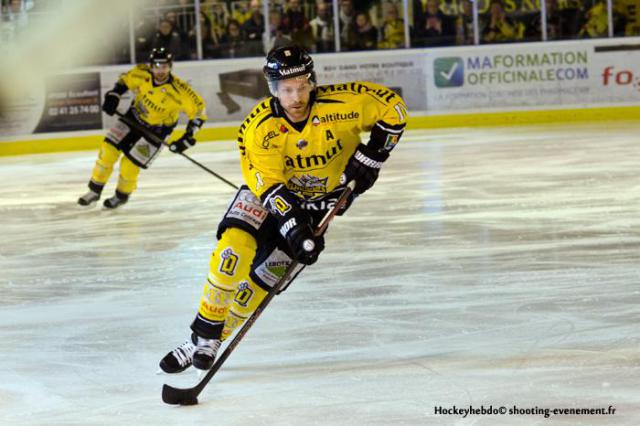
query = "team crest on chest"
{"x": 302, "y": 144}
{"x": 308, "y": 184}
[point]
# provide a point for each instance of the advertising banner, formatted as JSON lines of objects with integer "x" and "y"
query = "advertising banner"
{"x": 231, "y": 88}
{"x": 537, "y": 75}
{"x": 65, "y": 102}
{"x": 72, "y": 103}
{"x": 506, "y": 76}
{"x": 468, "y": 79}
{"x": 616, "y": 71}
{"x": 402, "y": 71}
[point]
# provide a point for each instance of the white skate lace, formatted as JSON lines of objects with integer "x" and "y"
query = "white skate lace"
{"x": 208, "y": 347}
{"x": 184, "y": 353}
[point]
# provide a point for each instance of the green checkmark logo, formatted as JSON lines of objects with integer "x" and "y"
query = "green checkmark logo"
{"x": 448, "y": 72}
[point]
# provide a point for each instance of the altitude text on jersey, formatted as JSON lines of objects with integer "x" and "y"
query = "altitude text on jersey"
{"x": 338, "y": 116}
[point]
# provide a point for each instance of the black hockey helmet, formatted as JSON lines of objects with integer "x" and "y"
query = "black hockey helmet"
{"x": 287, "y": 62}
{"x": 160, "y": 55}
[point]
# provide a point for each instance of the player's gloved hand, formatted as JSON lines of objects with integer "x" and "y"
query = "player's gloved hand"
{"x": 111, "y": 101}
{"x": 294, "y": 223}
{"x": 363, "y": 167}
{"x": 305, "y": 247}
{"x": 350, "y": 201}
{"x": 185, "y": 142}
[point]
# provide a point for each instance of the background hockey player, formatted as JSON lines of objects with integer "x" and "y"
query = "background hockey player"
{"x": 297, "y": 150}
{"x": 159, "y": 98}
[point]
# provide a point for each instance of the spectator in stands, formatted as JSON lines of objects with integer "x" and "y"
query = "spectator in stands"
{"x": 529, "y": 15}
{"x": 626, "y": 18}
{"x": 563, "y": 19}
{"x": 346, "y": 16}
{"x": 240, "y": 11}
{"x": 218, "y": 14}
{"x": 210, "y": 44}
{"x": 172, "y": 17}
{"x": 144, "y": 31}
{"x": 322, "y": 29}
{"x": 597, "y": 24}
{"x": 435, "y": 28}
{"x": 296, "y": 25}
{"x": 501, "y": 28}
{"x": 232, "y": 43}
{"x": 277, "y": 36}
{"x": 464, "y": 24}
{"x": 392, "y": 31}
{"x": 253, "y": 29}
{"x": 169, "y": 39}
{"x": 363, "y": 35}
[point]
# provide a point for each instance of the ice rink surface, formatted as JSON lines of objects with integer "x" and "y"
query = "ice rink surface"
{"x": 488, "y": 267}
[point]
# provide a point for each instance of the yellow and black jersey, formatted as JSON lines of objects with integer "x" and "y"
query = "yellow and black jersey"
{"x": 160, "y": 105}
{"x": 310, "y": 161}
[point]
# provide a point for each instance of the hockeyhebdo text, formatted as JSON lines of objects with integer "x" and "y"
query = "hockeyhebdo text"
{"x": 527, "y": 68}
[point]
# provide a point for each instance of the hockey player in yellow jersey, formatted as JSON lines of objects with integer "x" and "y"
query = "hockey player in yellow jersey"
{"x": 298, "y": 149}
{"x": 159, "y": 98}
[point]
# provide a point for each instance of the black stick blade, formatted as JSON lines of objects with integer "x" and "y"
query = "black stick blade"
{"x": 175, "y": 396}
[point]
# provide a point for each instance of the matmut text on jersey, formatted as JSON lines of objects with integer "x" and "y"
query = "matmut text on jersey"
{"x": 310, "y": 159}
{"x": 161, "y": 104}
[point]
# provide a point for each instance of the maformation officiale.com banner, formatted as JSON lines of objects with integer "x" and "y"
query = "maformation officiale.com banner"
{"x": 540, "y": 75}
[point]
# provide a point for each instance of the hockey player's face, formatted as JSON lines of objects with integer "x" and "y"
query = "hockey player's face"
{"x": 294, "y": 94}
{"x": 160, "y": 71}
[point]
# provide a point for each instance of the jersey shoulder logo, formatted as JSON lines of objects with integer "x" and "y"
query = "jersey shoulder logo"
{"x": 266, "y": 140}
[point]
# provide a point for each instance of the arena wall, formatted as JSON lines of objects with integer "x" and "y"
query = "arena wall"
{"x": 509, "y": 84}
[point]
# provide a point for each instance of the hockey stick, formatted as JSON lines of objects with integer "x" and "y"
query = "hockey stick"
{"x": 189, "y": 396}
{"x": 149, "y": 135}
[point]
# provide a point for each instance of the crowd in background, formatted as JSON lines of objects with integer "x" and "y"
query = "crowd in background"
{"x": 234, "y": 29}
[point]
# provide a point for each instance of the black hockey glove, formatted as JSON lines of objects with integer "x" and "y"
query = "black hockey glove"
{"x": 305, "y": 247}
{"x": 182, "y": 144}
{"x": 111, "y": 101}
{"x": 188, "y": 139}
{"x": 363, "y": 167}
{"x": 112, "y": 98}
{"x": 294, "y": 224}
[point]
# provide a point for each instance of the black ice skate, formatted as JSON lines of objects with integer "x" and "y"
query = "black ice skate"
{"x": 205, "y": 353}
{"x": 116, "y": 201}
{"x": 180, "y": 358}
{"x": 89, "y": 198}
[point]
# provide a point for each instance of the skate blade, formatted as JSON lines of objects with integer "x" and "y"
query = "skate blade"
{"x": 161, "y": 372}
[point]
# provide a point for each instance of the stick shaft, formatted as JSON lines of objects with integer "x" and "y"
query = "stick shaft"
{"x": 148, "y": 134}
